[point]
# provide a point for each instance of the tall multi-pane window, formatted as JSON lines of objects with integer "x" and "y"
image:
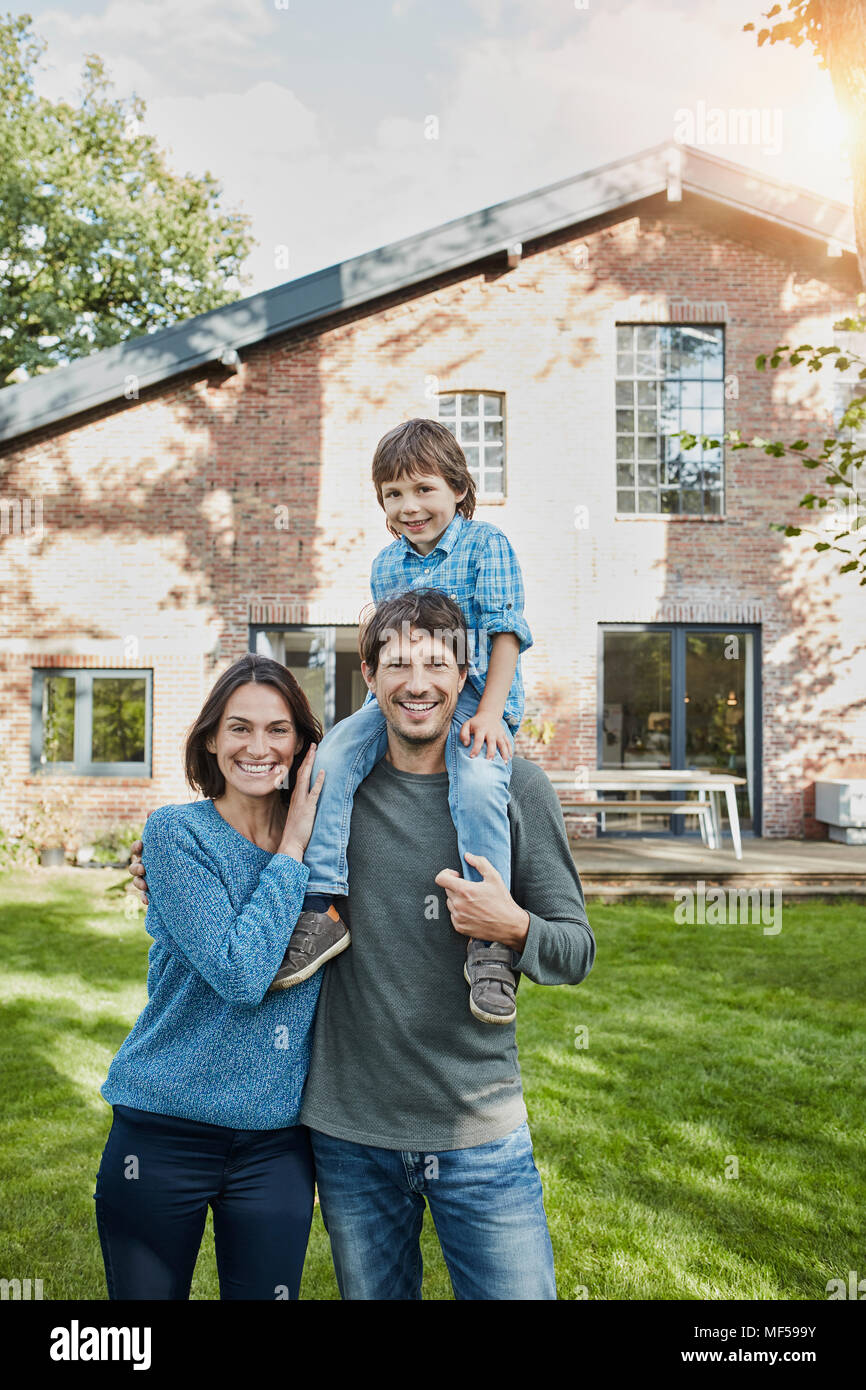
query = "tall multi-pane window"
{"x": 477, "y": 421}
{"x": 669, "y": 378}
{"x": 847, "y": 508}
{"x": 847, "y": 385}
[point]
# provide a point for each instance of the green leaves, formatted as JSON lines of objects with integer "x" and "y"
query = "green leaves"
{"x": 103, "y": 240}
{"x": 841, "y": 455}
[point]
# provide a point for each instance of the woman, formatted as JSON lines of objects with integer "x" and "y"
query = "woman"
{"x": 206, "y": 1089}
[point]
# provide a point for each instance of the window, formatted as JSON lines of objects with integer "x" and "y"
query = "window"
{"x": 91, "y": 723}
{"x": 477, "y": 421}
{"x": 847, "y": 508}
{"x": 668, "y": 378}
{"x": 847, "y": 385}
{"x": 325, "y": 663}
{"x": 682, "y": 696}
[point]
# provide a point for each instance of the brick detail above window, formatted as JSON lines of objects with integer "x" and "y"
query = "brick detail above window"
{"x": 663, "y": 308}
{"x": 709, "y": 613}
{"x": 274, "y": 614}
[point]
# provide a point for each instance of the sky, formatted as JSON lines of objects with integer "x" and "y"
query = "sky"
{"x": 341, "y": 125}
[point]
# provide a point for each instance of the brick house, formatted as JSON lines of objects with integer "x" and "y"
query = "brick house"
{"x": 188, "y": 495}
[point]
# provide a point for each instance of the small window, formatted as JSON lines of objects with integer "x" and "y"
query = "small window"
{"x": 91, "y": 723}
{"x": 477, "y": 421}
{"x": 669, "y": 378}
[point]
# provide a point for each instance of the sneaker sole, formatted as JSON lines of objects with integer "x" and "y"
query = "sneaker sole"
{"x": 308, "y": 970}
{"x": 480, "y": 1014}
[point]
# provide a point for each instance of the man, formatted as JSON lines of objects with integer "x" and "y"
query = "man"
{"x": 409, "y": 1097}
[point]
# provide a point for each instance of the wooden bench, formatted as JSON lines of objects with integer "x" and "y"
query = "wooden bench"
{"x": 702, "y": 809}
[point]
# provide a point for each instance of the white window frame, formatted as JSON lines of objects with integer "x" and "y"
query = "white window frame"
{"x": 481, "y": 492}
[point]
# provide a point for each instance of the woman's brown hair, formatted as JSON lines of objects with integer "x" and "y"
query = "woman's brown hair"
{"x": 423, "y": 446}
{"x": 201, "y": 766}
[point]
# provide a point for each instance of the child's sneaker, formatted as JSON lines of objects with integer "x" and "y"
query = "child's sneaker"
{"x": 491, "y": 981}
{"x": 318, "y": 936}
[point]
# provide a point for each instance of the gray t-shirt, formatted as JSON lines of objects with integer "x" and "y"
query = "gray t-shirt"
{"x": 398, "y": 1060}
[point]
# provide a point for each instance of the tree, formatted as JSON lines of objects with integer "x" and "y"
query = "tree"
{"x": 842, "y": 455}
{"x": 99, "y": 239}
{"x": 836, "y": 30}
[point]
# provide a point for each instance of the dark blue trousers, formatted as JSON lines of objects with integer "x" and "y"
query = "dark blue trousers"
{"x": 158, "y": 1176}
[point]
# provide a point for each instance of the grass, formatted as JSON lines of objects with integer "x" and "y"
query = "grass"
{"x": 707, "y": 1047}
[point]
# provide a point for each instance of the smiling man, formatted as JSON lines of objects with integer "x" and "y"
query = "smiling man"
{"x": 409, "y": 1097}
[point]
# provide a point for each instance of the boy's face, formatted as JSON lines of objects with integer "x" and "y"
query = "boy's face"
{"x": 421, "y": 507}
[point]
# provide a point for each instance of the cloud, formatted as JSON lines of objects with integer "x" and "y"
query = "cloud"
{"x": 526, "y": 92}
{"x": 238, "y": 134}
{"x": 158, "y": 42}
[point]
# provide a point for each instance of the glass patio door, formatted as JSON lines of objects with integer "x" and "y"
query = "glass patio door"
{"x": 636, "y": 710}
{"x": 681, "y": 696}
{"x": 719, "y": 709}
{"x": 324, "y": 662}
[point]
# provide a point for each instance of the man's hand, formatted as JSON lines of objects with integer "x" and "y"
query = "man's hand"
{"x": 486, "y": 909}
{"x": 136, "y": 868}
{"x": 485, "y": 728}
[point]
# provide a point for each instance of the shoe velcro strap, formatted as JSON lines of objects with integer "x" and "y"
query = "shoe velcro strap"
{"x": 485, "y": 973}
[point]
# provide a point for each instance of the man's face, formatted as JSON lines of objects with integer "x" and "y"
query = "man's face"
{"x": 416, "y": 684}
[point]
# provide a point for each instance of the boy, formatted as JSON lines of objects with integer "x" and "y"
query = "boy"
{"x": 428, "y": 496}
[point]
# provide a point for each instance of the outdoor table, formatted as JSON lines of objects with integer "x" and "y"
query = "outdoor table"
{"x": 619, "y": 779}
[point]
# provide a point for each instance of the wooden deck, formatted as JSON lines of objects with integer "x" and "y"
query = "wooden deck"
{"x": 620, "y": 867}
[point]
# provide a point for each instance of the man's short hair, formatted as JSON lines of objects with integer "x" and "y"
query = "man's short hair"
{"x": 430, "y": 610}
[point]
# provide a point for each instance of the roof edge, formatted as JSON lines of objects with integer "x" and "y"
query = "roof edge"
{"x": 103, "y": 377}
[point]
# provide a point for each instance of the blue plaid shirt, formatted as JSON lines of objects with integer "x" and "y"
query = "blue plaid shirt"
{"x": 474, "y": 564}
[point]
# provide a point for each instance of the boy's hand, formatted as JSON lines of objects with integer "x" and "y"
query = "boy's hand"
{"x": 486, "y": 729}
{"x": 136, "y": 868}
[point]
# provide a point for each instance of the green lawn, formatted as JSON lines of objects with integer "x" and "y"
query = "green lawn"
{"x": 703, "y": 1043}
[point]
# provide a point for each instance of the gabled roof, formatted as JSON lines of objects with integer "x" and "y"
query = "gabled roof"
{"x": 156, "y": 357}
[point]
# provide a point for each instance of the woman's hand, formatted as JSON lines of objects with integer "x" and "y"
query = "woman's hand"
{"x": 302, "y": 809}
{"x": 136, "y": 868}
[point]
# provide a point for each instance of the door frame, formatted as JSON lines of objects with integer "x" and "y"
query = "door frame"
{"x": 679, "y": 632}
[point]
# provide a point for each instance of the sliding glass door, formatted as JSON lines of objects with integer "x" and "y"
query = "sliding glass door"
{"x": 681, "y": 696}
{"x": 719, "y": 709}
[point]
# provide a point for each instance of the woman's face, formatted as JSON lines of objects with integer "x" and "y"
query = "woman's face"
{"x": 256, "y": 742}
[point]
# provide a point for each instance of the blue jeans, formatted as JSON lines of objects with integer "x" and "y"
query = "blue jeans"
{"x": 487, "y": 1207}
{"x": 478, "y": 794}
{"x": 157, "y": 1177}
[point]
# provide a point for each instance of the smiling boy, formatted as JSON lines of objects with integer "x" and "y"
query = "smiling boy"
{"x": 427, "y": 493}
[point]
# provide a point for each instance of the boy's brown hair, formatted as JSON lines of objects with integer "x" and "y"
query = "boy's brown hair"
{"x": 423, "y": 446}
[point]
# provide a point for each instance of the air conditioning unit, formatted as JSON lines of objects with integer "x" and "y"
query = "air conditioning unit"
{"x": 841, "y": 804}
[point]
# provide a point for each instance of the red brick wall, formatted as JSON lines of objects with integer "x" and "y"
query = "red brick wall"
{"x": 163, "y": 538}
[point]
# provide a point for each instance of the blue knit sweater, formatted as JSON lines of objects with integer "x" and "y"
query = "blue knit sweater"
{"x": 211, "y": 1044}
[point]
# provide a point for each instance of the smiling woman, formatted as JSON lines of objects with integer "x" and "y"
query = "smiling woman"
{"x": 206, "y": 1089}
